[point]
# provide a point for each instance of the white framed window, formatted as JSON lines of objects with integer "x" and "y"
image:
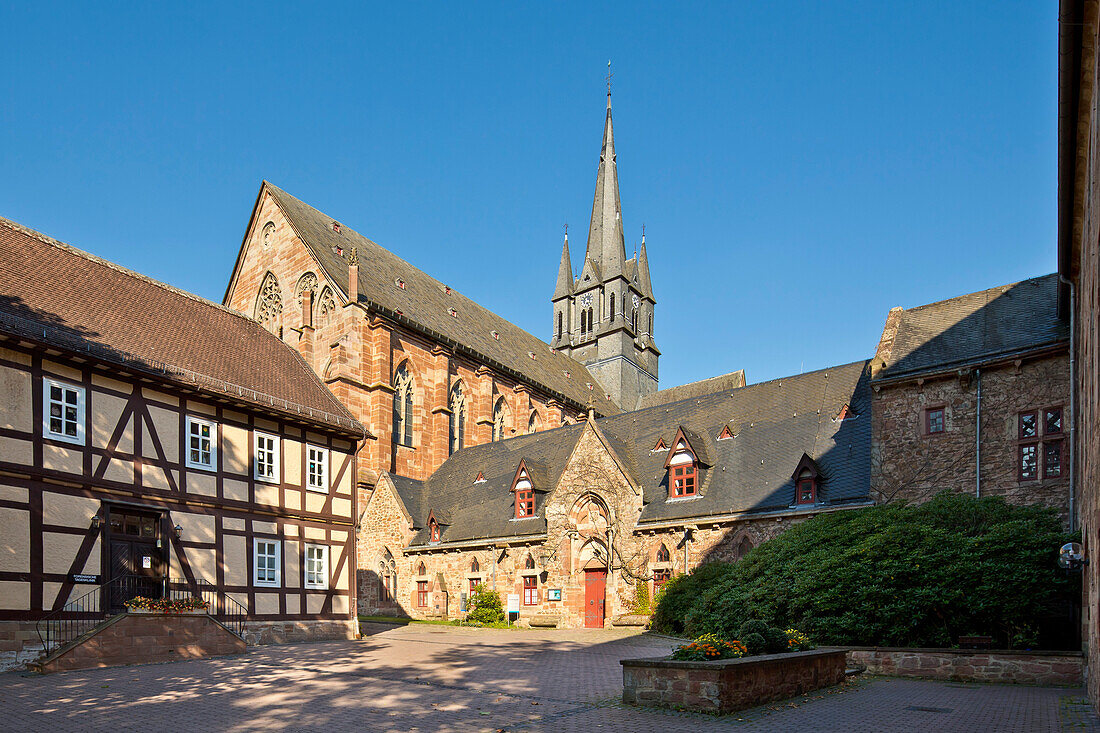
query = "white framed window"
{"x": 317, "y": 468}
{"x": 202, "y": 443}
{"x": 266, "y": 563}
{"x": 266, "y": 464}
{"x": 62, "y": 411}
{"x": 317, "y": 566}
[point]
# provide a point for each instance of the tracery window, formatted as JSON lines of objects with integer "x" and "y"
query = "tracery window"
{"x": 326, "y": 307}
{"x": 457, "y": 418}
{"x": 387, "y": 578}
{"x": 402, "y": 406}
{"x": 269, "y": 305}
{"x": 498, "y": 420}
{"x": 1039, "y": 446}
{"x": 663, "y": 555}
{"x": 535, "y": 423}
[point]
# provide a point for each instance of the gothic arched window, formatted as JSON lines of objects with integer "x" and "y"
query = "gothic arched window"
{"x": 402, "y": 406}
{"x": 612, "y": 301}
{"x": 534, "y": 424}
{"x": 326, "y": 307}
{"x": 269, "y": 305}
{"x": 743, "y": 547}
{"x": 559, "y": 323}
{"x": 590, "y": 321}
{"x": 530, "y": 564}
{"x": 663, "y": 555}
{"x": 387, "y": 578}
{"x": 457, "y": 418}
{"x": 498, "y": 420}
{"x": 474, "y": 566}
{"x": 634, "y": 319}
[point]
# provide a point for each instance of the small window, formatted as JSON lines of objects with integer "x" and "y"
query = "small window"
{"x": 1052, "y": 459}
{"x": 267, "y": 458}
{"x": 1029, "y": 425}
{"x": 934, "y": 420}
{"x": 202, "y": 445}
{"x": 474, "y": 583}
{"x": 807, "y": 488}
{"x": 317, "y": 566}
{"x": 663, "y": 555}
{"x": 474, "y": 566}
{"x": 317, "y": 469}
{"x": 421, "y": 593}
{"x": 530, "y": 590}
{"x": 1052, "y": 421}
{"x": 267, "y": 563}
{"x": 434, "y": 532}
{"x": 525, "y": 503}
{"x": 683, "y": 478}
{"x": 530, "y": 564}
{"x": 63, "y": 416}
{"x": 660, "y": 577}
{"x": 1029, "y": 462}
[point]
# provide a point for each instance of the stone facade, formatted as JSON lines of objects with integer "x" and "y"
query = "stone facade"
{"x": 911, "y": 464}
{"x": 963, "y": 665}
{"x": 727, "y": 685}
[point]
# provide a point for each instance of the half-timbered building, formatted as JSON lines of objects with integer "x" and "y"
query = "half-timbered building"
{"x": 152, "y": 441}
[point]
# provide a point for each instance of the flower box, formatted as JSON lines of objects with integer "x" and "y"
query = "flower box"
{"x": 725, "y": 685}
{"x": 150, "y": 612}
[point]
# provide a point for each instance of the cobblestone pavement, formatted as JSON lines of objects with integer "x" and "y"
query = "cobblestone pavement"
{"x": 426, "y": 678}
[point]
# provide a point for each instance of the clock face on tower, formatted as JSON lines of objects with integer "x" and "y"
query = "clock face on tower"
{"x": 586, "y": 300}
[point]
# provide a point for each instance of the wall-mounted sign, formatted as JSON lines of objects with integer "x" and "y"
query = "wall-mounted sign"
{"x": 146, "y": 561}
{"x": 513, "y": 603}
{"x": 553, "y": 594}
{"x": 78, "y": 578}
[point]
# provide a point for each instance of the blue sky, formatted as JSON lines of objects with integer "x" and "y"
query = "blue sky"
{"x": 800, "y": 167}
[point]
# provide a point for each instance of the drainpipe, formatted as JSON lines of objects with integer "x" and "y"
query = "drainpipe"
{"x": 978, "y": 440}
{"x": 1072, "y": 401}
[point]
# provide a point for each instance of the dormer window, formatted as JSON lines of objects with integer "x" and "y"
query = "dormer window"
{"x": 807, "y": 488}
{"x": 683, "y": 475}
{"x": 525, "y": 493}
{"x": 433, "y": 530}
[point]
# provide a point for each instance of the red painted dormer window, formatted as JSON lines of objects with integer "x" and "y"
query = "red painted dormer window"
{"x": 525, "y": 493}
{"x": 434, "y": 529}
{"x": 807, "y": 488}
{"x": 683, "y": 475}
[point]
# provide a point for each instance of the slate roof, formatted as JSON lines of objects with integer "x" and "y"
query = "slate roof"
{"x": 774, "y": 424}
{"x": 425, "y": 304}
{"x": 694, "y": 389}
{"x": 58, "y": 295}
{"x": 976, "y": 327}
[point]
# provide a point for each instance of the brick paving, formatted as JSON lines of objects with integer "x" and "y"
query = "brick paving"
{"x": 426, "y": 678}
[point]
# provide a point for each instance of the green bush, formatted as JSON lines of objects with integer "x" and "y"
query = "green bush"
{"x": 775, "y": 640}
{"x": 892, "y": 575}
{"x": 484, "y": 606}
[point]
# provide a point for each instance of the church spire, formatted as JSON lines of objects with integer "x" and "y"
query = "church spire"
{"x": 564, "y": 286}
{"x": 643, "y": 270}
{"x": 606, "y": 246}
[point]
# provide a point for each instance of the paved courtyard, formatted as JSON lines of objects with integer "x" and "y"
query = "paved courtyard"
{"x": 428, "y": 678}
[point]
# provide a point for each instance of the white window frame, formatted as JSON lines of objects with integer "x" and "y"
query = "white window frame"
{"x": 81, "y": 414}
{"x": 276, "y": 450}
{"x": 324, "y": 487}
{"x": 323, "y": 585}
{"x": 213, "y": 465}
{"x": 256, "y": 542}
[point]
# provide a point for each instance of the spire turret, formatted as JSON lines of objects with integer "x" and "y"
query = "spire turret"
{"x": 564, "y": 285}
{"x": 606, "y": 246}
{"x": 643, "y": 271}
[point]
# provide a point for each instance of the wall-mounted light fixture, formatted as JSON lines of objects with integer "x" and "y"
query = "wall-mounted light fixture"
{"x": 179, "y": 530}
{"x": 96, "y": 520}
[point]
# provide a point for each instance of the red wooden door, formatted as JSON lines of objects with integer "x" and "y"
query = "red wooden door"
{"x": 595, "y": 582}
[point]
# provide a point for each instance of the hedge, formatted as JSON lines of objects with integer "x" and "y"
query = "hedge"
{"x": 893, "y": 575}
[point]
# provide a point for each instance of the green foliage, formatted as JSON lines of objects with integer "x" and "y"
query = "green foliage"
{"x": 484, "y": 607}
{"x": 774, "y": 640}
{"x": 893, "y": 575}
{"x": 641, "y": 597}
{"x": 709, "y": 647}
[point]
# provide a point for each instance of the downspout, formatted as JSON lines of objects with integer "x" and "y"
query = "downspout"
{"x": 1072, "y": 401}
{"x": 978, "y": 440}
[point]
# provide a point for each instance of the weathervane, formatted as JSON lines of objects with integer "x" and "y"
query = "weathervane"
{"x": 609, "y": 75}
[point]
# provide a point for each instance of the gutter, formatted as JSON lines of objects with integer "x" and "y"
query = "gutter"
{"x": 481, "y": 542}
{"x": 950, "y": 369}
{"x": 739, "y": 516}
{"x": 1072, "y": 400}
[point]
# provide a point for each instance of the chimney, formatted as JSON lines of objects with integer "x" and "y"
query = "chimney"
{"x": 353, "y": 275}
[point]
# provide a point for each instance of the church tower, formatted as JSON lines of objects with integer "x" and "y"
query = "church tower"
{"x": 604, "y": 319}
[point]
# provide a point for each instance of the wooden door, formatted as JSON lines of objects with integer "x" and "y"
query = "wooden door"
{"x": 595, "y": 584}
{"x": 136, "y": 563}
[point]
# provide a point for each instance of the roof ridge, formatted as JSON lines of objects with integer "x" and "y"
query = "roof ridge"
{"x": 977, "y": 292}
{"x": 46, "y": 239}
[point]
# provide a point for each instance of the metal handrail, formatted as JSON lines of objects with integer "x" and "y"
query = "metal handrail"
{"x": 81, "y": 615}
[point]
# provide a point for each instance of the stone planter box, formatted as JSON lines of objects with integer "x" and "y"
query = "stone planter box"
{"x": 730, "y": 684}
{"x": 147, "y": 612}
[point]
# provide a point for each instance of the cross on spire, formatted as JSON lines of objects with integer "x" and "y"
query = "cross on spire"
{"x": 609, "y": 75}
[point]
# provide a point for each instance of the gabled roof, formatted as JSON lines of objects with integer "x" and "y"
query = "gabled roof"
{"x": 732, "y": 380}
{"x": 61, "y": 296}
{"x": 424, "y": 304}
{"x": 971, "y": 329}
{"x": 778, "y": 422}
